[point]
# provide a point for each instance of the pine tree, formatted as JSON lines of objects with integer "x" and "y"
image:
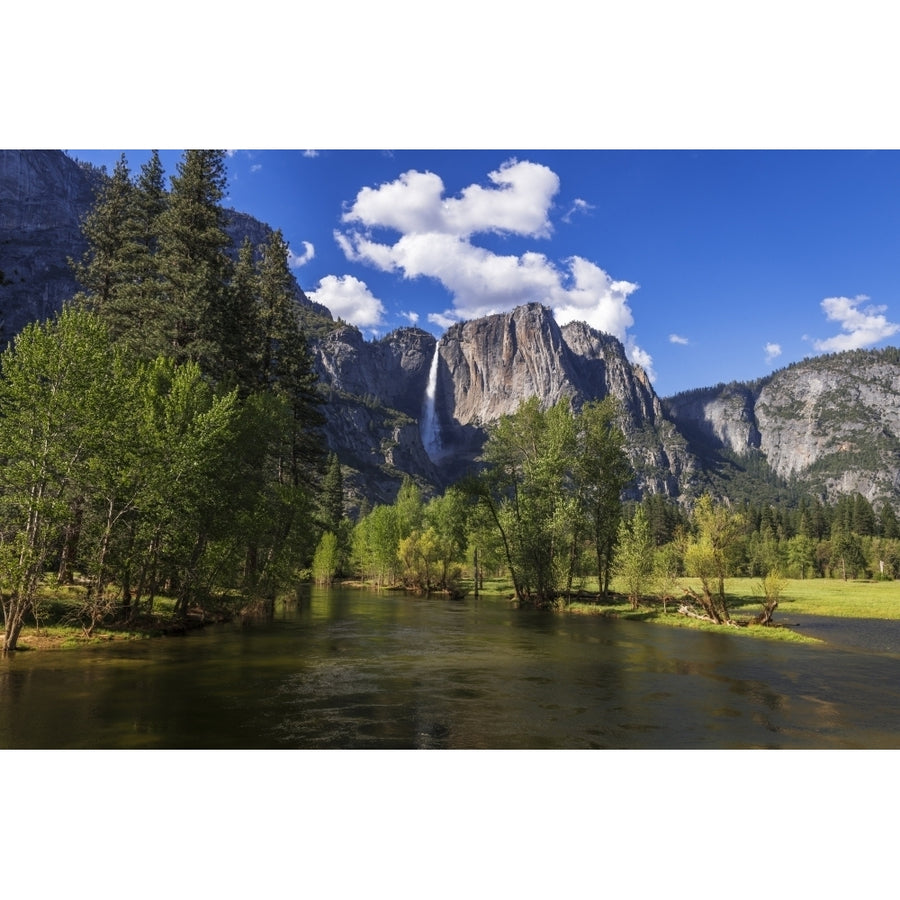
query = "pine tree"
{"x": 238, "y": 363}
{"x": 111, "y": 230}
{"x": 889, "y": 525}
{"x": 333, "y": 494}
{"x": 286, "y": 365}
{"x": 144, "y": 304}
{"x": 119, "y": 271}
{"x": 193, "y": 262}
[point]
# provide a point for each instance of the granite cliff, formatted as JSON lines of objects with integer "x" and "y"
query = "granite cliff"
{"x": 487, "y": 366}
{"x": 484, "y": 368}
{"x": 829, "y": 425}
{"x": 43, "y": 196}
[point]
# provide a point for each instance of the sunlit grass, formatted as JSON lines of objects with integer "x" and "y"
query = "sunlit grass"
{"x": 813, "y": 596}
{"x": 820, "y": 597}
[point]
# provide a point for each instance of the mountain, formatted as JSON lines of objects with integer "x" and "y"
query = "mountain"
{"x": 408, "y": 404}
{"x": 380, "y": 423}
{"x": 827, "y": 426}
{"x": 486, "y": 367}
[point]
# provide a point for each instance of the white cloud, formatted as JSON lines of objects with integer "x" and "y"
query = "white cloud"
{"x": 350, "y": 299}
{"x": 310, "y": 154}
{"x": 773, "y": 351}
{"x": 593, "y": 297}
{"x": 295, "y": 261}
{"x": 255, "y": 167}
{"x": 435, "y": 242}
{"x": 578, "y": 206}
{"x": 414, "y": 204}
{"x": 861, "y": 327}
{"x": 640, "y": 357}
{"x": 412, "y": 317}
{"x": 678, "y": 339}
{"x": 443, "y": 320}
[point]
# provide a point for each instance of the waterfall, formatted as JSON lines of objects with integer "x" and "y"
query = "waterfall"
{"x": 431, "y": 438}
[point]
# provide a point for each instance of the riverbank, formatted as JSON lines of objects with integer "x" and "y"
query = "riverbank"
{"x": 874, "y": 600}
{"x": 59, "y": 623}
{"x": 70, "y": 637}
{"x": 810, "y": 597}
{"x": 621, "y": 609}
{"x": 815, "y": 597}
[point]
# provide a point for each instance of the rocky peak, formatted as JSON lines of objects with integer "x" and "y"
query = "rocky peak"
{"x": 829, "y": 424}
{"x": 488, "y": 366}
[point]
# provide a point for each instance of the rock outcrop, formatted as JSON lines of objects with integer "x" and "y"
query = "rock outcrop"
{"x": 391, "y": 371}
{"x": 829, "y": 425}
{"x": 43, "y": 197}
{"x": 485, "y": 369}
{"x": 723, "y": 415}
{"x": 833, "y": 424}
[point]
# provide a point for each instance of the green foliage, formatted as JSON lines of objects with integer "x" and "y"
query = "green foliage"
{"x": 163, "y": 432}
{"x": 551, "y": 485}
{"x": 55, "y": 400}
{"x": 333, "y": 494}
{"x": 326, "y": 559}
{"x": 601, "y": 473}
{"x": 711, "y": 553}
{"x": 192, "y": 260}
{"x": 375, "y": 545}
{"x": 635, "y": 557}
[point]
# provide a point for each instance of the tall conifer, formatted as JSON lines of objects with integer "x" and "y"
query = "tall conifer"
{"x": 193, "y": 262}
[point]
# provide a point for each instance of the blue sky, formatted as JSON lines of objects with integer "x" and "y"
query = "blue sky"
{"x": 708, "y": 265}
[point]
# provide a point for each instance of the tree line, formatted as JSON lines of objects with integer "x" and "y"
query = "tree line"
{"x": 546, "y": 510}
{"x": 162, "y": 432}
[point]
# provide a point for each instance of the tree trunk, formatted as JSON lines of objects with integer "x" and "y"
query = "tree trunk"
{"x": 765, "y": 617}
{"x": 14, "y": 615}
{"x": 70, "y": 544}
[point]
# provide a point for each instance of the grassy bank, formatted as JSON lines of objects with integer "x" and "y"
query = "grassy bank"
{"x": 56, "y": 626}
{"x": 652, "y": 611}
{"x": 820, "y": 597}
{"x": 826, "y": 597}
{"x": 59, "y": 623}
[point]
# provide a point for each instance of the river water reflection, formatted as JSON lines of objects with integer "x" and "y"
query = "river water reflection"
{"x": 351, "y": 669}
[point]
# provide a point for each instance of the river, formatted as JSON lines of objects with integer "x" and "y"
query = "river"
{"x": 354, "y": 669}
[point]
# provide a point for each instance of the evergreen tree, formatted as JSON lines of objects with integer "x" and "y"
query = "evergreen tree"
{"x": 888, "y": 522}
{"x": 287, "y": 368}
{"x": 333, "y": 494}
{"x": 238, "y": 363}
{"x": 111, "y": 230}
{"x": 863, "y": 521}
{"x": 193, "y": 263}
